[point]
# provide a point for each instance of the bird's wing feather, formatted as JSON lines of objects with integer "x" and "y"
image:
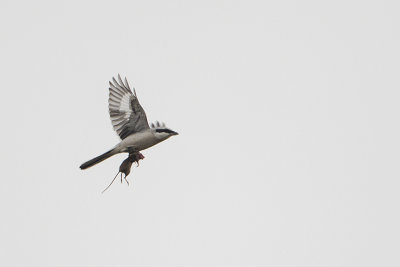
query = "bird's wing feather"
{"x": 127, "y": 115}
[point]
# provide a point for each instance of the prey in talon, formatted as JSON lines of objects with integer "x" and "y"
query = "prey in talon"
{"x": 125, "y": 167}
{"x": 130, "y": 122}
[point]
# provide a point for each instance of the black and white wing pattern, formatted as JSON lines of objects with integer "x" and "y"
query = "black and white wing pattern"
{"x": 127, "y": 115}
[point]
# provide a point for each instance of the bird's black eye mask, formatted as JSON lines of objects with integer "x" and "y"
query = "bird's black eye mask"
{"x": 164, "y": 131}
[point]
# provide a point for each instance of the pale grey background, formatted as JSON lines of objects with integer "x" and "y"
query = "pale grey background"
{"x": 288, "y": 114}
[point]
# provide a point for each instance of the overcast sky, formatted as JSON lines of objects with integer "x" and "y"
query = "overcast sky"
{"x": 288, "y": 114}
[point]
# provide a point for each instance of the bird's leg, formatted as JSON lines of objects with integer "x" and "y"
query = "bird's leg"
{"x": 110, "y": 183}
{"x": 121, "y": 177}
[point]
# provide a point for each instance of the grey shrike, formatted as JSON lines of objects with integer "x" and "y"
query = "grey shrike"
{"x": 130, "y": 122}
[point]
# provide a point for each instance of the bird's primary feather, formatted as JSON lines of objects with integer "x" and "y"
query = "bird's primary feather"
{"x": 126, "y": 113}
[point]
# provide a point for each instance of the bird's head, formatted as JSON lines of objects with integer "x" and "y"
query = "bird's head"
{"x": 162, "y": 132}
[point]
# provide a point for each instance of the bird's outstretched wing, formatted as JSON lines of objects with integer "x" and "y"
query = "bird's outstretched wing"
{"x": 127, "y": 115}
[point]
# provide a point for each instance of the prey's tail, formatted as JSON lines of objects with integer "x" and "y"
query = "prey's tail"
{"x": 98, "y": 159}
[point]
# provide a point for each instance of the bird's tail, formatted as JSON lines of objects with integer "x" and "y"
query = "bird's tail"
{"x": 98, "y": 159}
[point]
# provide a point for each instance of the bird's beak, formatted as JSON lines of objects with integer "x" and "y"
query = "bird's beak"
{"x": 175, "y": 133}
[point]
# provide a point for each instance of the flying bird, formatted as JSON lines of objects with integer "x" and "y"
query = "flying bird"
{"x": 130, "y": 122}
